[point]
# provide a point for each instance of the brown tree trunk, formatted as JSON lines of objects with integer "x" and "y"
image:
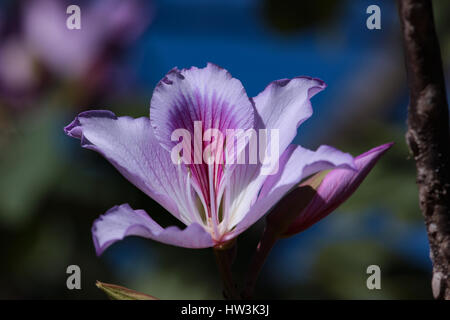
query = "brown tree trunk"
{"x": 428, "y": 133}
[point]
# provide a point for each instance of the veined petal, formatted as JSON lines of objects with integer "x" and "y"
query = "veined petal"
{"x": 336, "y": 187}
{"x": 296, "y": 163}
{"x": 122, "y": 221}
{"x": 197, "y": 100}
{"x": 130, "y": 145}
{"x": 209, "y": 95}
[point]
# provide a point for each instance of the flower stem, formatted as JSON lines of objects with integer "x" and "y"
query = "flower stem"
{"x": 224, "y": 259}
{"x": 266, "y": 243}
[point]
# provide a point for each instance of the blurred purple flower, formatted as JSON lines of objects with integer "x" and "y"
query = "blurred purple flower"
{"x": 17, "y": 74}
{"x": 215, "y": 203}
{"x": 43, "y": 45}
{"x": 72, "y": 53}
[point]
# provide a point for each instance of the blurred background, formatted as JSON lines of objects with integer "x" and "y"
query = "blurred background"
{"x": 51, "y": 190}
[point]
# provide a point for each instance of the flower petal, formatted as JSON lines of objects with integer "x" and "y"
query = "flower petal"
{"x": 130, "y": 145}
{"x": 210, "y": 95}
{"x": 197, "y": 100}
{"x": 296, "y": 163}
{"x": 122, "y": 221}
{"x": 282, "y": 106}
{"x": 336, "y": 187}
{"x": 285, "y": 104}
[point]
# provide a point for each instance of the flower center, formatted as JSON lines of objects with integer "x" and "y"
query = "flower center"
{"x": 207, "y": 180}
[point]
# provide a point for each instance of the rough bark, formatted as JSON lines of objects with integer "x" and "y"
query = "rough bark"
{"x": 428, "y": 133}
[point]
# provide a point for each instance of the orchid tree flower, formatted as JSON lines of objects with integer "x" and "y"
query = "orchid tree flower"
{"x": 309, "y": 202}
{"x": 216, "y": 201}
{"x": 216, "y": 205}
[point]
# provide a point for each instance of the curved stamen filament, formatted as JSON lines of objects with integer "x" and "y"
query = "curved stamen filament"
{"x": 213, "y": 205}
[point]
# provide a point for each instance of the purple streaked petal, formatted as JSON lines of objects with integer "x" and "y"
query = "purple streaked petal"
{"x": 210, "y": 95}
{"x": 130, "y": 145}
{"x": 336, "y": 187}
{"x": 296, "y": 163}
{"x": 285, "y": 105}
{"x": 122, "y": 221}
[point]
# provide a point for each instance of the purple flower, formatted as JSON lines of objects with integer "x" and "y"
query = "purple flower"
{"x": 73, "y": 53}
{"x": 215, "y": 202}
{"x": 17, "y": 77}
{"x": 321, "y": 194}
{"x": 42, "y": 45}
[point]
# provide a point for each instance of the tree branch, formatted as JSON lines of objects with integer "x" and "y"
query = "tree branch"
{"x": 428, "y": 133}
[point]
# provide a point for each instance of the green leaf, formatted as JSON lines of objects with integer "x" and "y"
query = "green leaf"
{"x": 115, "y": 292}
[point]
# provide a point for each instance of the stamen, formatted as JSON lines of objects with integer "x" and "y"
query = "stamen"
{"x": 184, "y": 205}
{"x": 212, "y": 194}
{"x": 193, "y": 208}
{"x": 203, "y": 202}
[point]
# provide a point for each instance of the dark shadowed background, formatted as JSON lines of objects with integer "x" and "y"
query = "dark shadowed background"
{"x": 51, "y": 190}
